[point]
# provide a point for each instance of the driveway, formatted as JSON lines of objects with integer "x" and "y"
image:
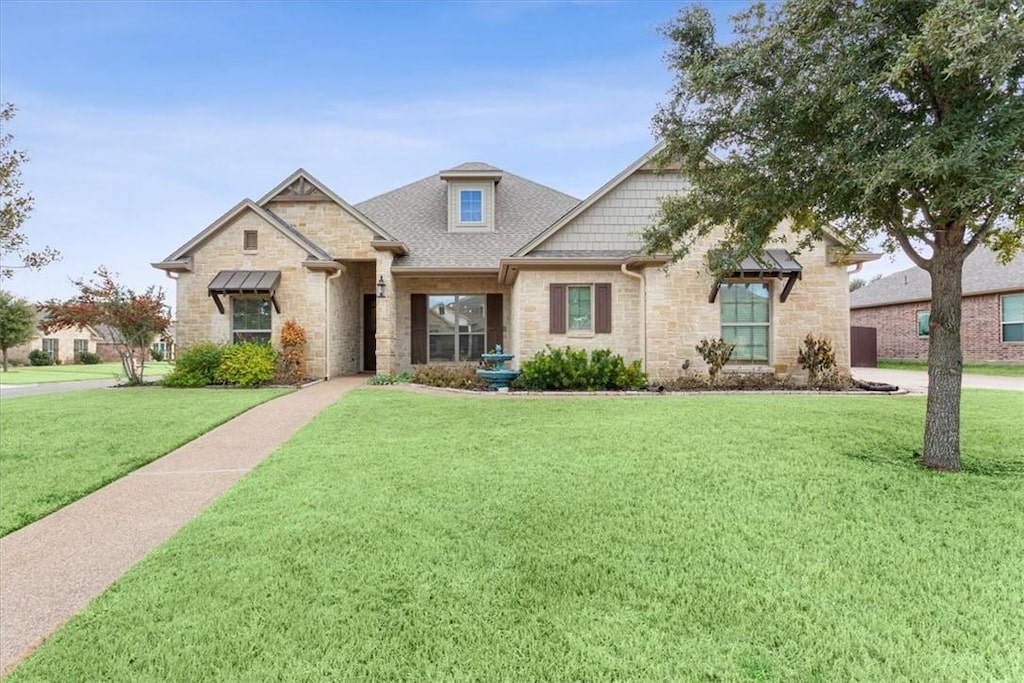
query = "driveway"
{"x": 916, "y": 381}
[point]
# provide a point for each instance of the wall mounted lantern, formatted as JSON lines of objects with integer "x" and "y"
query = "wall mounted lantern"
{"x": 381, "y": 287}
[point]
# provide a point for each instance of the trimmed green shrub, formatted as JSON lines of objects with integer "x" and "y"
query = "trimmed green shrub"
{"x": 397, "y": 378}
{"x": 39, "y": 357}
{"x": 196, "y": 366}
{"x": 89, "y": 358}
{"x": 247, "y": 364}
{"x": 569, "y": 369}
{"x": 449, "y": 376}
{"x": 156, "y": 354}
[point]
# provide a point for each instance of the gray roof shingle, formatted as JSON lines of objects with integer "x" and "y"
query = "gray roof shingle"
{"x": 417, "y": 214}
{"x": 982, "y": 273}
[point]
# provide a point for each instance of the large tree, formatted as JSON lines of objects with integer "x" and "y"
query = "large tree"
{"x": 17, "y": 323}
{"x": 15, "y": 206}
{"x": 898, "y": 120}
{"x": 131, "y": 320}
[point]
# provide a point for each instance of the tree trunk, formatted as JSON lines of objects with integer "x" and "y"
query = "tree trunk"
{"x": 945, "y": 361}
{"x": 4, "y": 352}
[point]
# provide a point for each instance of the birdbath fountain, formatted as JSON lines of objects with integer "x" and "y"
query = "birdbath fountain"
{"x": 499, "y": 376}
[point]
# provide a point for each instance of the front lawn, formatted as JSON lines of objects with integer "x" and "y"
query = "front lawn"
{"x": 414, "y": 537}
{"x": 1000, "y": 370}
{"x": 43, "y": 374}
{"x": 54, "y": 449}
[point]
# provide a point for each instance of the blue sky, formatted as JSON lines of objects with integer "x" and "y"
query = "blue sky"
{"x": 144, "y": 122}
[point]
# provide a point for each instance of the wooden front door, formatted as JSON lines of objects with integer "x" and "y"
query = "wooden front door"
{"x": 369, "y": 333}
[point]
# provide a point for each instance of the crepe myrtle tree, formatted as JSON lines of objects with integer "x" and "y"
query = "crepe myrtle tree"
{"x": 131, "y": 320}
{"x": 894, "y": 121}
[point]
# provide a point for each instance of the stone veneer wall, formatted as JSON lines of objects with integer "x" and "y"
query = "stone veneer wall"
{"x": 980, "y": 330}
{"x": 300, "y": 295}
{"x": 329, "y": 226}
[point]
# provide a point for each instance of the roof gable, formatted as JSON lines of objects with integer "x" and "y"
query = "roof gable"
{"x": 302, "y": 186}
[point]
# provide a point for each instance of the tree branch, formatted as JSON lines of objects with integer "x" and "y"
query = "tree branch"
{"x": 922, "y": 205}
{"x": 895, "y": 231}
{"x": 986, "y": 227}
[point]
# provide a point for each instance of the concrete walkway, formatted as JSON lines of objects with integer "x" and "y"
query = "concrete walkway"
{"x": 51, "y": 569}
{"x": 916, "y": 381}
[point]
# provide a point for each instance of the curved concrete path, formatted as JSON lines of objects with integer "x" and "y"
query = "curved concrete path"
{"x": 916, "y": 381}
{"x": 51, "y": 569}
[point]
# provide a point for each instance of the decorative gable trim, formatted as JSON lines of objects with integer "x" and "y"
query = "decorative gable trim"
{"x": 302, "y": 186}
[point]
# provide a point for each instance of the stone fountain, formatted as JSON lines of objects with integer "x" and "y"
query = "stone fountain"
{"x": 499, "y": 376}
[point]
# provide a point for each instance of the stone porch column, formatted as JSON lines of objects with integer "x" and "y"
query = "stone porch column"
{"x": 387, "y": 314}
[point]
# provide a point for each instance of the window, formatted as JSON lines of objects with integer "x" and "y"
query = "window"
{"x": 250, "y": 240}
{"x": 581, "y": 317}
{"x": 746, "y": 314}
{"x": 81, "y": 346}
{"x": 1012, "y": 307}
{"x": 456, "y": 327}
{"x": 250, "y": 320}
{"x": 471, "y": 206}
{"x": 923, "y": 320}
{"x": 51, "y": 346}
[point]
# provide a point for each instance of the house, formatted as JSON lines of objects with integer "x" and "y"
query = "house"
{"x": 454, "y": 264}
{"x": 64, "y": 346}
{"x": 992, "y": 324}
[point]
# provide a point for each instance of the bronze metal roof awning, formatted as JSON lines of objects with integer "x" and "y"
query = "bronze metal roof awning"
{"x": 245, "y": 282}
{"x": 777, "y": 263}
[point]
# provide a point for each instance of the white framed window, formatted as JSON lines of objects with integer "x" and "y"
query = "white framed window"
{"x": 251, "y": 320}
{"x": 924, "y": 319}
{"x": 81, "y": 346}
{"x": 471, "y": 206}
{"x": 51, "y": 346}
{"x": 580, "y": 308}
{"x": 746, "y": 320}
{"x": 456, "y": 327}
{"x": 1011, "y": 318}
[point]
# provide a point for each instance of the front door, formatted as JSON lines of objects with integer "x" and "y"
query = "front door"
{"x": 369, "y": 333}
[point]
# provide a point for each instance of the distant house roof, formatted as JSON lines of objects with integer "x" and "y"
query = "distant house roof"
{"x": 417, "y": 214}
{"x": 982, "y": 273}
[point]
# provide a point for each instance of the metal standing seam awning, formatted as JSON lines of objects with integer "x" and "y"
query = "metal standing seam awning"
{"x": 777, "y": 263}
{"x": 245, "y": 282}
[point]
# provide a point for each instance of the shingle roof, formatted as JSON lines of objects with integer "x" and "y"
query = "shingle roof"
{"x": 473, "y": 166}
{"x": 417, "y": 214}
{"x": 982, "y": 273}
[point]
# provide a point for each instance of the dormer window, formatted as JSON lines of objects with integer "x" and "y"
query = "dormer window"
{"x": 471, "y": 206}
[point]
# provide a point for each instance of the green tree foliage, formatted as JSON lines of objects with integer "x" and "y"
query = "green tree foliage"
{"x": 15, "y": 206}
{"x": 131, "y": 320}
{"x": 898, "y": 120}
{"x": 17, "y": 323}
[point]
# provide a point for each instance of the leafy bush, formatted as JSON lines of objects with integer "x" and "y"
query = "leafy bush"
{"x": 397, "y": 378}
{"x": 156, "y": 354}
{"x": 716, "y": 353}
{"x": 740, "y": 381}
{"x": 196, "y": 366}
{"x": 568, "y": 369}
{"x": 834, "y": 379}
{"x": 449, "y": 376}
{"x": 89, "y": 358}
{"x": 817, "y": 357}
{"x": 39, "y": 357}
{"x": 247, "y": 364}
{"x": 292, "y": 363}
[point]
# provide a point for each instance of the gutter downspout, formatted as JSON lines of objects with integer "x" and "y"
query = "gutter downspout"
{"x": 327, "y": 320}
{"x": 643, "y": 309}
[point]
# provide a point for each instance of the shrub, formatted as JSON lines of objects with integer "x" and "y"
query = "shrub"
{"x": 89, "y": 358}
{"x": 156, "y": 354}
{"x": 739, "y": 381}
{"x": 39, "y": 357}
{"x": 196, "y": 366}
{"x": 817, "y": 357}
{"x": 247, "y": 364}
{"x": 449, "y": 376}
{"x": 292, "y": 364}
{"x": 834, "y": 379}
{"x": 716, "y": 353}
{"x": 568, "y": 369}
{"x": 397, "y": 378}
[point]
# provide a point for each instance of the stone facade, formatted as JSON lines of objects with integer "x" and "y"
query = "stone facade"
{"x": 980, "y": 330}
{"x": 65, "y": 340}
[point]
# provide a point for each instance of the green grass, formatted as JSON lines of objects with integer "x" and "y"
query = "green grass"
{"x": 29, "y": 374}
{"x": 413, "y": 537}
{"x": 55, "y": 449}
{"x": 1006, "y": 370}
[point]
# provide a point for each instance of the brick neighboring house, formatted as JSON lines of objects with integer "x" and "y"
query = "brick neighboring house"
{"x": 454, "y": 264}
{"x": 992, "y": 327}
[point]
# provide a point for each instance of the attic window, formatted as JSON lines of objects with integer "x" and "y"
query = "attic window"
{"x": 471, "y": 206}
{"x": 249, "y": 240}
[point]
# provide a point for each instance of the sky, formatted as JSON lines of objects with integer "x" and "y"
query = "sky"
{"x": 144, "y": 122}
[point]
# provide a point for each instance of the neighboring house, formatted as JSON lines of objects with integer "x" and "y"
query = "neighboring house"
{"x": 992, "y": 324}
{"x": 107, "y": 347}
{"x": 457, "y": 263}
{"x": 64, "y": 346}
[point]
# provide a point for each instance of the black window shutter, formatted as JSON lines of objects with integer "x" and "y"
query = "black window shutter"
{"x": 556, "y": 324}
{"x": 602, "y": 307}
{"x": 418, "y": 329}
{"x": 495, "y": 320}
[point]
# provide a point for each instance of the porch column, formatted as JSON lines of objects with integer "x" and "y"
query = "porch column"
{"x": 386, "y": 315}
